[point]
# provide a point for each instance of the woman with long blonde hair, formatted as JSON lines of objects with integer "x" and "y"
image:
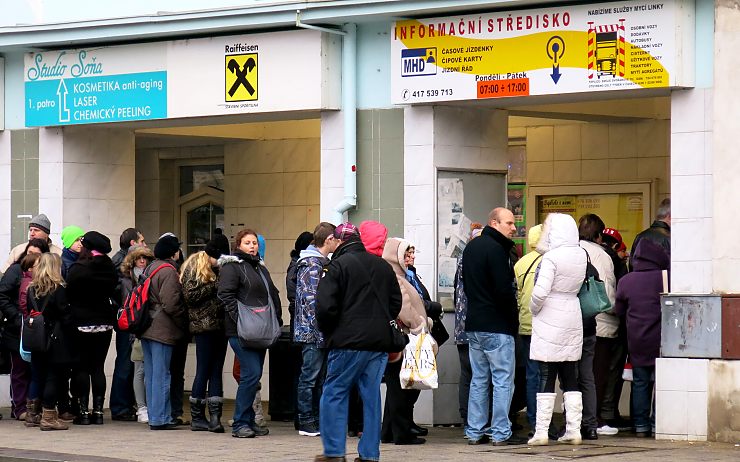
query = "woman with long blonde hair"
{"x": 199, "y": 278}
{"x": 47, "y": 294}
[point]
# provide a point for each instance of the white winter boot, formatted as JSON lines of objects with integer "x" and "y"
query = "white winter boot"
{"x": 545, "y": 405}
{"x": 573, "y": 401}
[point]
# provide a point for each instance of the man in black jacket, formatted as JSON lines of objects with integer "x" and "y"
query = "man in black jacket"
{"x": 491, "y": 325}
{"x": 659, "y": 232}
{"x": 356, "y": 300}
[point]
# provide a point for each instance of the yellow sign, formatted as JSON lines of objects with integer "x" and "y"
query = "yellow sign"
{"x": 241, "y": 77}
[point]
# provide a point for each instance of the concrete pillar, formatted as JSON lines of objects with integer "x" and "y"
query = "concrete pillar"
{"x": 440, "y": 137}
{"x": 5, "y": 216}
{"x": 332, "y": 163}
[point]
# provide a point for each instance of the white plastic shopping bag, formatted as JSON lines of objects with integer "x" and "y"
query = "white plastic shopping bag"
{"x": 419, "y": 368}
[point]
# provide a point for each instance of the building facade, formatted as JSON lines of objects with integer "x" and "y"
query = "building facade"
{"x": 423, "y": 115}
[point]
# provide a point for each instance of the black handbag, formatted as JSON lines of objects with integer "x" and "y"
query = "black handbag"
{"x": 34, "y": 336}
{"x": 439, "y": 331}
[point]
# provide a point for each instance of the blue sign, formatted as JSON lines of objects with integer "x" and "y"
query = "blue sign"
{"x": 418, "y": 61}
{"x": 87, "y": 100}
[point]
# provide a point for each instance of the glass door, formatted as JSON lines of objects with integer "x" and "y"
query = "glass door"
{"x": 201, "y": 222}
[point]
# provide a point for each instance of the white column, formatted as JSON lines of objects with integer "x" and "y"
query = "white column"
{"x": 5, "y": 193}
{"x": 332, "y": 163}
{"x": 51, "y": 179}
{"x": 692, "y": 192}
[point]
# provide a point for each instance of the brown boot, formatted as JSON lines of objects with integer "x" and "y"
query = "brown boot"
{"x": 33, "y": 412}
{"x": 50, "y": 421}
{"x": 323, "y": 458}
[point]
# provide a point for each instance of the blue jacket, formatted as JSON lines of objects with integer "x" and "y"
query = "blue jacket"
{"x": 68, "y": 258}
{"x": 310, "y": 265}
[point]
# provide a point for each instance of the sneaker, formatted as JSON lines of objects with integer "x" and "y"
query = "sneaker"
{"x": 513, "y": 440}
{"x": 142, "y": 415}
{"x": 260, "y": 431}
{"x": 606, "y": 430}
{"x": 309, "y": 430}
{"x": 125, "y": 417}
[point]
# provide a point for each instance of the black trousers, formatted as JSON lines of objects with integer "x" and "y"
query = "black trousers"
{"x": 398, "y": 415}
{"x": 93, "y": 348}
{"x": 567, "y": 371}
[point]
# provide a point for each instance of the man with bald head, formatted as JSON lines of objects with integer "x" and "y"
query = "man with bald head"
{"x": 491, "y": 324}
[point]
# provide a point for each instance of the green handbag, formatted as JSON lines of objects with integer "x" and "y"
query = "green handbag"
{"x": 592, "y": 295}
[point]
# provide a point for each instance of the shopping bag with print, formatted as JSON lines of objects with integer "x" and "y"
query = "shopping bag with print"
{"x": 419, "y": 368}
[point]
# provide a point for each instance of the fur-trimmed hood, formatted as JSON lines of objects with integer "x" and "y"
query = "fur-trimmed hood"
{"x": 224, "y": 259}
{"x": 130, "y": 260}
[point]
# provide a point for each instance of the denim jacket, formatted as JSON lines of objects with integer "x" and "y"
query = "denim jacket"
{"x": 310, "y": 265}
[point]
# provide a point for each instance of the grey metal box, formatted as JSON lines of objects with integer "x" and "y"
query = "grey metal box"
{"x": 691, "y": 326}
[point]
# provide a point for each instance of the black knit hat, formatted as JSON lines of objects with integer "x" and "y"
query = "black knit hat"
{"x": 93, "y": 240}
{"x": 217, "y": 247}
{"x": 167, "y": 246}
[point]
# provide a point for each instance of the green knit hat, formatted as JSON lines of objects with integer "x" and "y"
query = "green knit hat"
{"x": 70, "y": 234}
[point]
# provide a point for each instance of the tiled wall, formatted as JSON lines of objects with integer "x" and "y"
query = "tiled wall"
{"x": 597, "y": 152}
{"x": 380, "y": 188}
{"x": 273, "y": 187}
{"x": 24, "y": 181}
{"x": 693, "y": 189}
{"x": 681, "y": 396}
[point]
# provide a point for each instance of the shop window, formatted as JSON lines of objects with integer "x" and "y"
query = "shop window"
{"x": 623, "y": 212}
{"x": 193, "y": 177}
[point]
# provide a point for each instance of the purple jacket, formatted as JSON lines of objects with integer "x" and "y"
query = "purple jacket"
{"x": 638, "y": 298}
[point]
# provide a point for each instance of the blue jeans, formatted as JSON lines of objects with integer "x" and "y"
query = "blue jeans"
{"x": 533, "y": 381}
{"x": 345, "y": 369}
{"x": 157, "y": 358}
{"x": 310, "y": 383}
{"x": 250, "y": 367}
{"x": 122, "y": 390}
{"x": 492, "y": 360}
{"x": 642, "y": 398}
{"x": 210, "y": 354}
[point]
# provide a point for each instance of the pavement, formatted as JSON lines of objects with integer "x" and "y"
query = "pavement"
{"x": 131, "y": 441}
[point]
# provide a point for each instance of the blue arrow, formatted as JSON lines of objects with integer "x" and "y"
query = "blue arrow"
{"x": 555, "y": 74}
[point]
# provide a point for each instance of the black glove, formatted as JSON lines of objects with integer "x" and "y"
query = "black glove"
{"x": 433, "y": 309}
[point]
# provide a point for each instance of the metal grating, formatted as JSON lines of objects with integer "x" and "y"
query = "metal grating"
{"x": 563, "y": 452}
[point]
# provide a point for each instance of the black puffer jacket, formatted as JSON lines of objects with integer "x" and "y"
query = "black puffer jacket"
{"x": 205, "y": 310}
{"x": 659, "y": 232}
{"x": 10, "y": 313}
{"x": 91, "y": 286}
{"x": 357, "y": 298}
{"x": 240, "y": 281}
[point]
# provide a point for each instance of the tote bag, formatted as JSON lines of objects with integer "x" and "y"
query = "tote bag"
{"x": 419, "y": 368}
{"x": 592, "y": 295}
{"x": 258, "y": 326}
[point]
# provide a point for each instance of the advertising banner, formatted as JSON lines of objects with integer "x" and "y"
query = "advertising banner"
{"x": 570, "y": 49}
{"x": 282, "y": 71}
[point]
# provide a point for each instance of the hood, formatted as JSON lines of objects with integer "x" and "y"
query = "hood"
{"x": 311, "y": 251}
{"x": 559, "y": 230}
{"x": 130, "y": 259}
{"x": 533, "y": 236}
{"x": 224, "y": 259}
{"x": 373, "y": 235}
{"x": 650, "y": 256}
{"x": 354, "y": 244}
{"x": 393, "y": 253}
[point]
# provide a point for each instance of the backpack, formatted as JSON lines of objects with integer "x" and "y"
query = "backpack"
{"x": 133, "y": 316}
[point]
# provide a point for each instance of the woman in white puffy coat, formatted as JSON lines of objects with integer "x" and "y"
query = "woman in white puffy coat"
{"x": 557, "y": 327}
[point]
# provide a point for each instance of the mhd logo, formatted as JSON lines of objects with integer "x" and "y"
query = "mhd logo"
{"x": 418, "y": 61}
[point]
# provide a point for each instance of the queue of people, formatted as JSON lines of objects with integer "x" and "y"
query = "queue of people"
{"x": 348, "y": 286}
{"x": 496, "y": 293}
